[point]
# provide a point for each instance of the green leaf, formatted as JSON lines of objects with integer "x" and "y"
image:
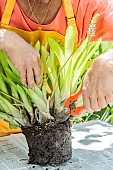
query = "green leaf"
{"x": 24, "y": 97}
{"x": 69, "y": 45}
{"x": 57, "y": 50}
{"x": 12, "y": 110}
{"x": 43, "y": 60}
{"x": 38, "y": 91}
{"x": 37, "y": 46}
{"x": 77, "y": 73}
{"x": 2, "y": 84}
{"x": 13, "y": 126}
{"x": 12, "y": 76}
{"x": 36, "y": 100}
{"x": 3, "y": 60}
{"x": 9, "y": 119}
{"x": 14, "y": 93}
{"x": 14, "y": 70}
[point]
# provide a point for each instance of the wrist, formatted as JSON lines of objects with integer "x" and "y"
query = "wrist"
{"x": 7, "y": 39}
{"x": 2, "y": 38}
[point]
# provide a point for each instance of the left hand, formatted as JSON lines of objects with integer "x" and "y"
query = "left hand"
{"x": 98, "y": 83}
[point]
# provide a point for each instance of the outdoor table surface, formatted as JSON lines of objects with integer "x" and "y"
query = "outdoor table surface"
{"x": 92, "y": 149}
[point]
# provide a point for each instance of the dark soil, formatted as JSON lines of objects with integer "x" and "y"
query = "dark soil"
{"x": 49, "y": 144}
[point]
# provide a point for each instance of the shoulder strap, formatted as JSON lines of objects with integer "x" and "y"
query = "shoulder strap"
{"x": 8, "y": 12}
{"x": 70, "y": 17}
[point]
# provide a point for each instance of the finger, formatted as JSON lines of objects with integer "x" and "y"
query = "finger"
{"x": 37, "y": 74}
{"x": 39, "y": 63}
{"x": 102, "y": 102}
{"x": 23, "y": 76}
{"x": 30, "y": 77}
{"x": 85, "y": 84}
{"x": 91, "y": 92}
{"x": 109, "y": 98}
{"x": 94, "y": 101}
{"x": 86, "y": 102}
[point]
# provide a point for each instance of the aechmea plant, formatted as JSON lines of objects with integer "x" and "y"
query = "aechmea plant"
{"x": 62, "y": 69}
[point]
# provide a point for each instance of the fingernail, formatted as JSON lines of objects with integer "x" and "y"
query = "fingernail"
{"x": 89, "y": 110}
{"x": 84, "y": 88}
{"x": 97, "y": 110}
{"x": 32, "y": 88}
{"x": 25, "y": 85}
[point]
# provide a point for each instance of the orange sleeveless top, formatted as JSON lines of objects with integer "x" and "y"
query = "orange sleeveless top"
{"x": 83, "y": 10}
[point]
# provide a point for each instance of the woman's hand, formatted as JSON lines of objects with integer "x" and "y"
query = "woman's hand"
{"x": 98, "y": 83}
{"x": 24, "y": 57}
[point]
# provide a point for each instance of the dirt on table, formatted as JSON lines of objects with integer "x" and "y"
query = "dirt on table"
{"x": 49, "y": 144}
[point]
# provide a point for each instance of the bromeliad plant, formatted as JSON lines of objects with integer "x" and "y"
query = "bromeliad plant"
{"x": 38, "y": 111}
{"x": 62, "y": 69}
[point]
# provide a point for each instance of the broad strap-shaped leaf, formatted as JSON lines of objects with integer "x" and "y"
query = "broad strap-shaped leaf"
{"x": 37, "y": 46}
{"x": 11, "y": 66}
{"x": 78, "y": 72}
{"x": 69, "y": 45}
{"x": 2, "y": 83}
{"x": 38, "y": 92}
{"x": 43, "y": 59}
{"x": 12, "y": 109}
{"x": 57, "y": 50}
{"x": 24, "y": 97}
{"x": 12, "y": 76}
{"x": 82, "y": 58}
{"x": 36, "y": 100}
{"x": 79, "y": 51}
{"x": 10, "y": 119}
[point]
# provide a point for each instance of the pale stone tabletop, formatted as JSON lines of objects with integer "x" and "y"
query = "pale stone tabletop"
{"x": 92, "y": 150}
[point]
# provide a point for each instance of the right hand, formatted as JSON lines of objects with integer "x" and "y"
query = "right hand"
{"x": 24, "y": 57}
{"x": 98, "y": 83}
